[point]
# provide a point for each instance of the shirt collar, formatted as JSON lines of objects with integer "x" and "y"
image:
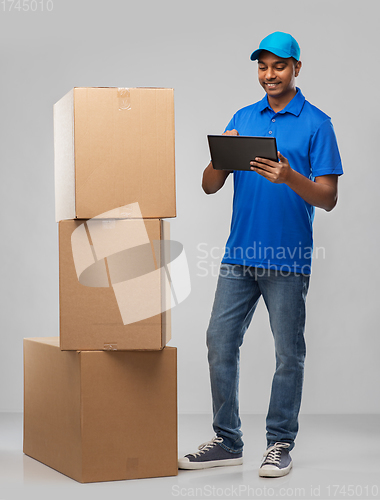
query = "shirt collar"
{"x": 294, "y": 106}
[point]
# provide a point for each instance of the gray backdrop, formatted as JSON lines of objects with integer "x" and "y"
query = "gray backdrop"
{"x": 202, "y": 49}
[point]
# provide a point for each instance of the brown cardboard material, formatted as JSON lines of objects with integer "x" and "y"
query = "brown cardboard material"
{"x": 100, "y": 416}
{"x": 114, "y": 288}
{"x": 113, "y": 147}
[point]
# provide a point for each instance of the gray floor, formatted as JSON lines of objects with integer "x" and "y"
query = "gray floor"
{"x": 337, "y": 456}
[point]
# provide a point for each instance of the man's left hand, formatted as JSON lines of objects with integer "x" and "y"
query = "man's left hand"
{"x": 276, "y": 172}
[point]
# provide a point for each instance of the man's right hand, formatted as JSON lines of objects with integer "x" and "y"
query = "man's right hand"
{"x": 231, "y": 132}
{"x": 213, "y": 180}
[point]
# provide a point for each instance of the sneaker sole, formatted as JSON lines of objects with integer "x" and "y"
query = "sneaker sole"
{"x": 211, "y": 463}
{"x": 274, "y": 471}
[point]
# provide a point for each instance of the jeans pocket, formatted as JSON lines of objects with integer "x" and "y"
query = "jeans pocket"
{"x": 225, "y": 269}
{"x": 230, "y": 270}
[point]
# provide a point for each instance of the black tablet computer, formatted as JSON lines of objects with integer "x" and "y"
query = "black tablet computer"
{"x": 235, "y": 152}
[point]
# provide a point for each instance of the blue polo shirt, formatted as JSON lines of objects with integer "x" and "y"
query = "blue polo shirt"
{"x": 272, "y": 226}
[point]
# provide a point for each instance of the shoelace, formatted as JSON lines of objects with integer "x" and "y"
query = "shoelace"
{"x": 207, "y": 445}
{"x": 273, "y": 454}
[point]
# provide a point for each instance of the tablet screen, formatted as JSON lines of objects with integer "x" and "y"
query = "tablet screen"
{"x": 235, "y": 152}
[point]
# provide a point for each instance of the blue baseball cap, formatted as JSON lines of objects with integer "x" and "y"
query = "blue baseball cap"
{"x": 279, "y": 43}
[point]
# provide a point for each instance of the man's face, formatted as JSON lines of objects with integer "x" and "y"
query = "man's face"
{"x": 277, "y": 75}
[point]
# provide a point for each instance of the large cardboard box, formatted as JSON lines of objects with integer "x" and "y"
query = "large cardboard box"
{"x": 100, "y": 416}
{"x": 114, "y": 284}
{"x": 113, "y": 147}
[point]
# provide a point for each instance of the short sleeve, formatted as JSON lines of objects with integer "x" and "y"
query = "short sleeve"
{"x": 324, "y": 153}
{"x": 231, "y": 124}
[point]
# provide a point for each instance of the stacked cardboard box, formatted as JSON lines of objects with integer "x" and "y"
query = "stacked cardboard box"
{"x": 89, "y": 413}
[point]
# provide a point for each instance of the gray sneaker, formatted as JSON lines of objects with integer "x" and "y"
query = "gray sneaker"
{"x": 276, "y": 461}
{"x": 210, "y": 454}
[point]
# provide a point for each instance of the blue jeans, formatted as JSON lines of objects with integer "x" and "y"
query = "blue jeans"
{"x": 237, "y": 294}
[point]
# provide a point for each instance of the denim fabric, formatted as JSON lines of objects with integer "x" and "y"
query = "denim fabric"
{"x": 237, "y": 294}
